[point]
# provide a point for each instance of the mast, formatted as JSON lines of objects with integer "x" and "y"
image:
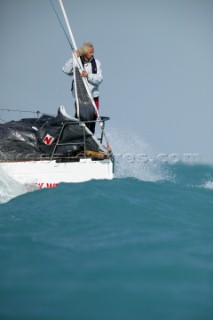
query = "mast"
{"x": 78, "y": 60}
{"x": 67, "y": 24}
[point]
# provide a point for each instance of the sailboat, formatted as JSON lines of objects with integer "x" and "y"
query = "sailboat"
{"x": 43, "y": 151}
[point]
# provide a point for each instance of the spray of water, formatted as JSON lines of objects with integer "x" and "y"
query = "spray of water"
{"x": 135, "y": 158}
{"x": 208, "y": 185}
{"x": 9, "y": 188}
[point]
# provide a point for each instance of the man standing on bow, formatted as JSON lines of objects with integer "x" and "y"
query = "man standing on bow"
{"x": 92, "y": 71}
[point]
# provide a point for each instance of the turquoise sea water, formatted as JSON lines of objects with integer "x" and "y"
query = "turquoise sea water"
{"x": 122, "y": 249}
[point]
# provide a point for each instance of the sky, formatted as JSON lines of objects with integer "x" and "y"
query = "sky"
{"x": 156, "y": 56}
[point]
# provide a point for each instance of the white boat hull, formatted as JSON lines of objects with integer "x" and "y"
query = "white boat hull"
{"x": 48, "y": 174}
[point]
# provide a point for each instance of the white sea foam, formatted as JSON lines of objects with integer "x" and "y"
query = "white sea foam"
{"x": 208, "y": 185}
{"x": 9, "y": 188}
{"x": 135, "y": 158}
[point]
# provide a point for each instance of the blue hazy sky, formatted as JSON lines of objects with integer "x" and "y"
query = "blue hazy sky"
{"x": 157, "y": 61}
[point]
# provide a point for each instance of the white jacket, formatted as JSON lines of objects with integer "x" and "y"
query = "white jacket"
{"x": 94, "y": 79}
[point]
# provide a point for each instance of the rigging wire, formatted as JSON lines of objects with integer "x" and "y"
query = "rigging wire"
{"x": 66, "y": 35}
{"x": 61, "y": 24}
{"x": 23, "y": 111}
{"x": 4, "y": 112}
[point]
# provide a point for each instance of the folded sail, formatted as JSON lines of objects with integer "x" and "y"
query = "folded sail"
{"x": 85, "y": 107}
{"x": 34, "y": 138}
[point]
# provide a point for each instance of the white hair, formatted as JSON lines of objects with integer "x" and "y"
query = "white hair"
{"x": 84, "y": 49}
